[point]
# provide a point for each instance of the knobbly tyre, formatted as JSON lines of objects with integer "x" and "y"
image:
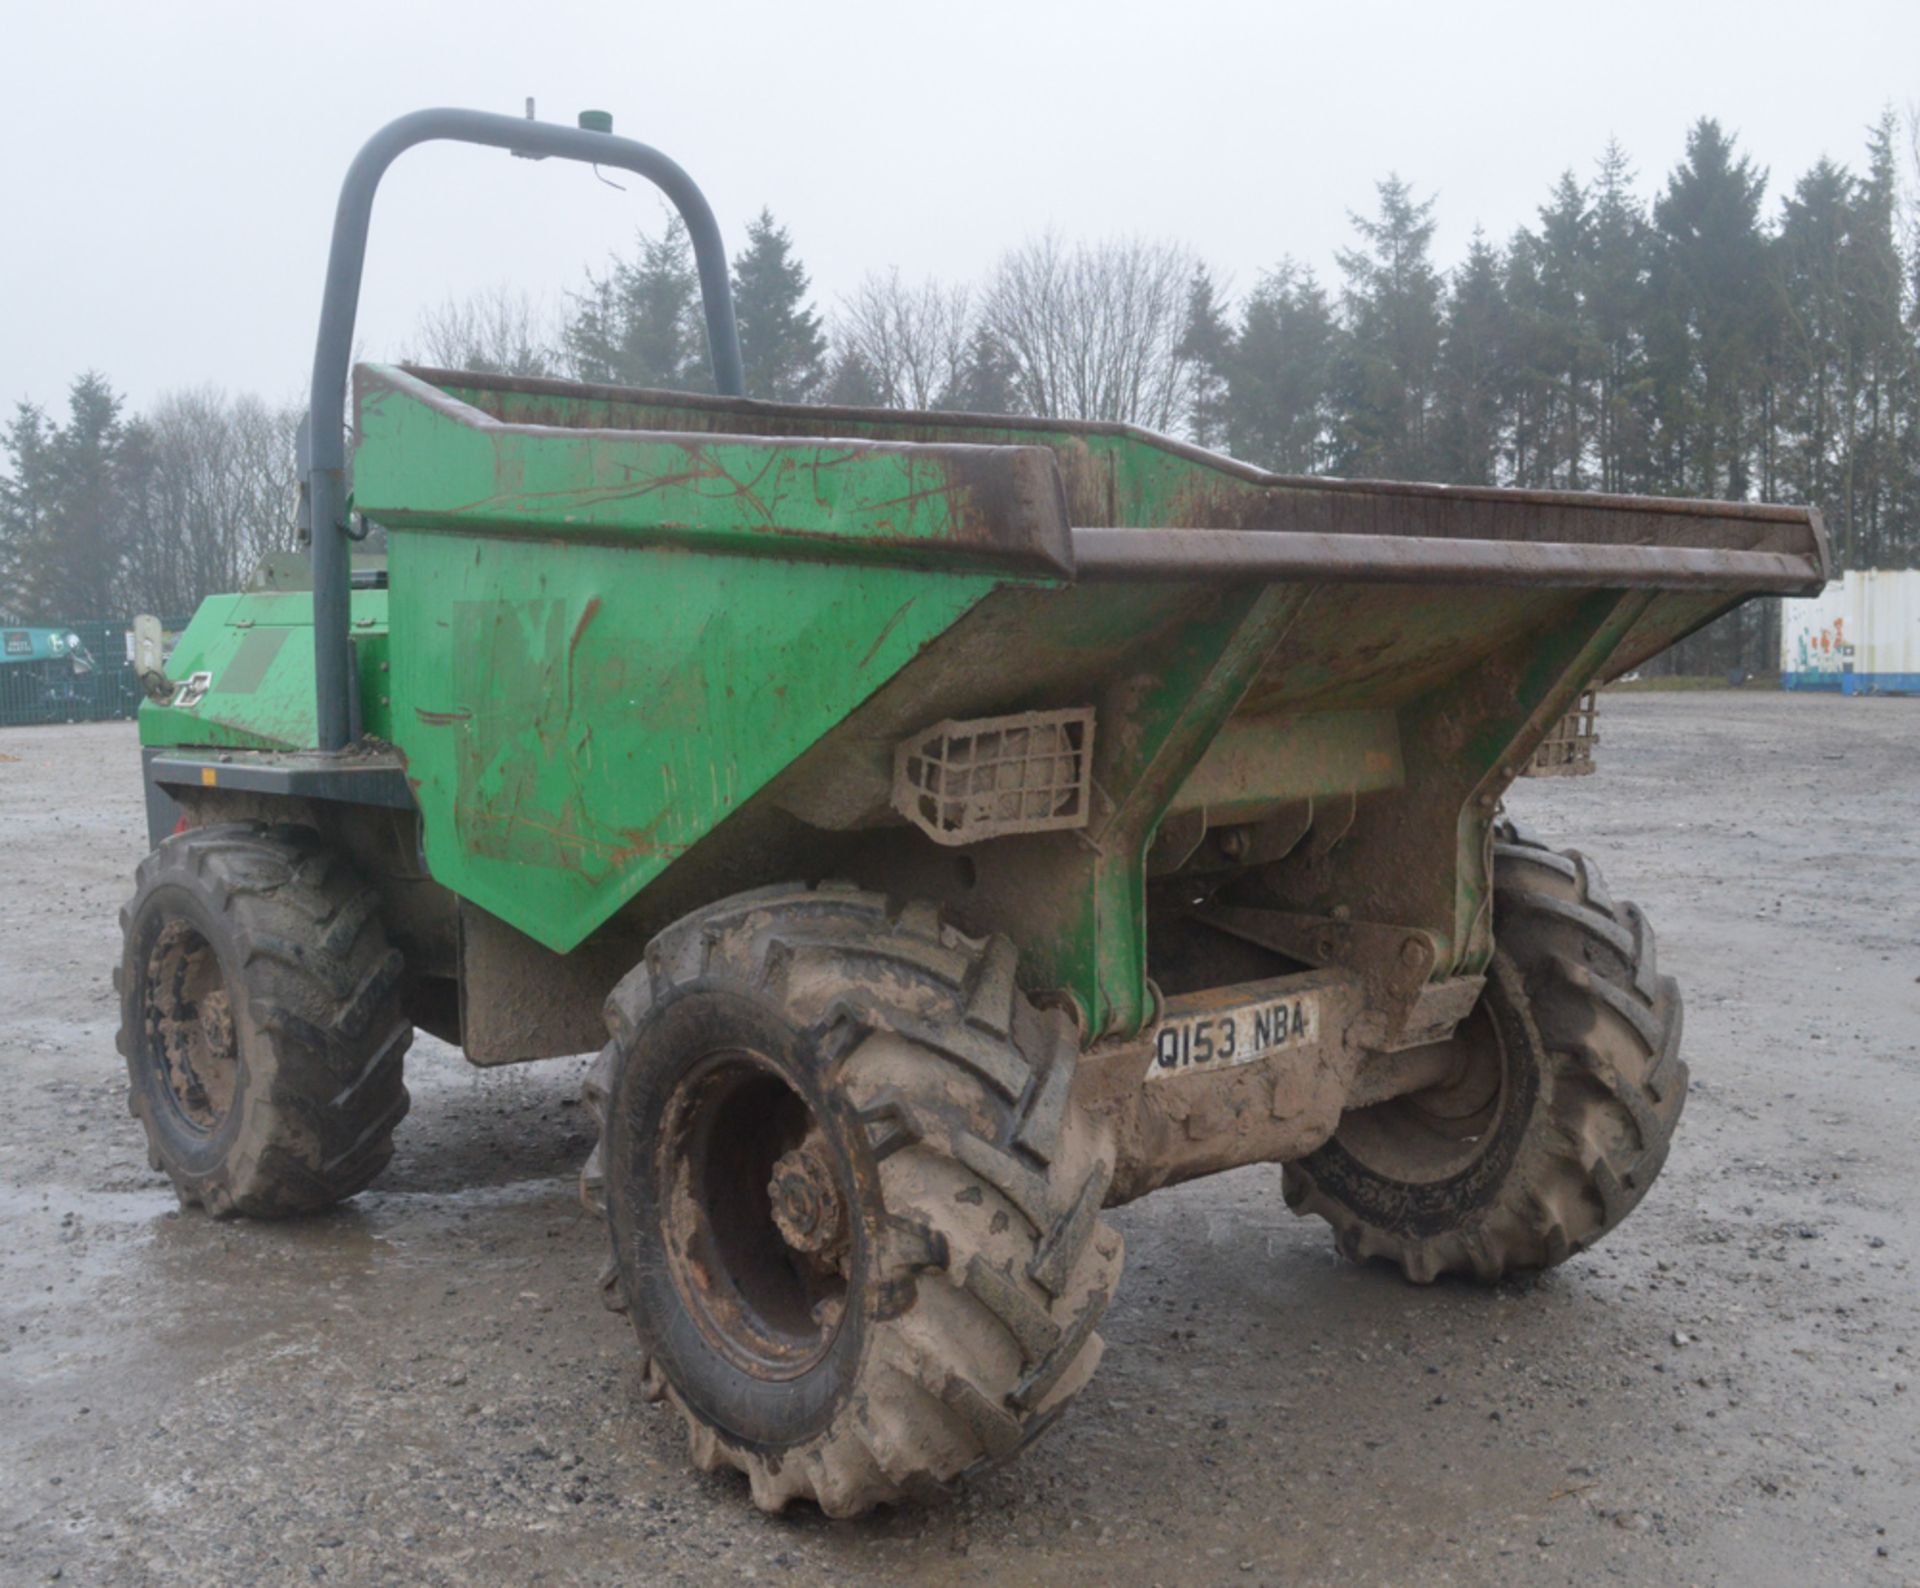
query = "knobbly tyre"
{"x": 946, "y": 827}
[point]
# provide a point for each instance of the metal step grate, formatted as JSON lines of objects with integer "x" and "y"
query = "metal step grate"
{"x": 961, "y": 782}
{"x": 1568, "y": 750}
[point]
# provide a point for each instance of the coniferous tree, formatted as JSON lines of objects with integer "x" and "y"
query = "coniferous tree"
{"x": 1280, "y": 373}
{"x": 1525, "y": 381}
{"x": 1708, "y": 296}
{"x": 1712, "y": 299}
{"x": 66, "y": 504}
{"x": 1563, "y": 351}
{"x": 1615, "y": 291}
{"x": 1904, "y": 503}
{"x": 1385, "y": 371}
{"x": 1468, "y": 399}
{"x": 1884, "y": 354}
{"x": 851, "y": 383}
{"x": 640, "y": 324}
{"x": 781, "y": 340}
{"x": 1816, "y": 374}
{"x": 985, "y": 381}
{"x": 1207, "y": 344}
{"x": 92, "y": 458}
{"x": 27, "y": 499}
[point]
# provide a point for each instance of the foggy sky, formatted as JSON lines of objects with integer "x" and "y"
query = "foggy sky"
{"x": 170, "y": 169}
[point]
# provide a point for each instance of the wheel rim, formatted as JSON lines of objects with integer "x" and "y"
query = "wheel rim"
{"x": 192, "y": 1044}
{"x": 756, "y": 1214}
{"x": 1436, "y": 1133}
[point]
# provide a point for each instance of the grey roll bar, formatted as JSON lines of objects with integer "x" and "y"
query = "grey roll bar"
{"x": 326, "y": 451}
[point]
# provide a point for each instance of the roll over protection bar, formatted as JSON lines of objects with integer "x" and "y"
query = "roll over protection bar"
{"x": 325, "y": 463}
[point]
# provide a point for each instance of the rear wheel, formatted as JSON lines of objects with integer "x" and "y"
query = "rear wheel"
{"x": 853, "y": 1210}
{"x": 260, "y": 1021}
{"x": 1561, "y": 1106}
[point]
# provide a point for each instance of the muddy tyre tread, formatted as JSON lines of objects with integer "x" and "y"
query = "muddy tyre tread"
{"x": 1000, "y": 1263}
{"x": 324, "y": 1084}
{"x": 1609, "y": 1025}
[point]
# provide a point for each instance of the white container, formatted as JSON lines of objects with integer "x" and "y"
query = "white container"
{"x": 1859, "y": 636}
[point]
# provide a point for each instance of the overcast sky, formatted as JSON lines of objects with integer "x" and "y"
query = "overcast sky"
{"x": 170, "y": 169}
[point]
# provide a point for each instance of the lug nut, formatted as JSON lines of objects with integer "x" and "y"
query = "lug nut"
{"x": 807, "y": 1208}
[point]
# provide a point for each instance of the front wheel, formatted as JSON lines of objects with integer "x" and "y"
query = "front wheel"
{"x": 853, "y": 1209}
{"x": 260, "y": 1020}
{"x": 1559, "y": 1112}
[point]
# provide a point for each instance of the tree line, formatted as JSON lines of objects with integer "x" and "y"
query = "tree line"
{"x": 1704, "y": 343}
{"x": 106, "y": 513}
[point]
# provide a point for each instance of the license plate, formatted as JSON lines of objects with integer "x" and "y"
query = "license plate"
{"x": 1229, "y": 1034}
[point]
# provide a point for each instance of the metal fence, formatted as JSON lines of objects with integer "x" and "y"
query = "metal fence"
{"x": 92, "y": 682}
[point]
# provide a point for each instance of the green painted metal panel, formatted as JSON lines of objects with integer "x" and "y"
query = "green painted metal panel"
{"x": 1174, "y": 712}
{"x": 257, "y": 648}
{"x": 426, "y": 461}
{"x": 577, "y": 717}
{"x": 1164, "y": 665}
{"x": 1257, "y": 762}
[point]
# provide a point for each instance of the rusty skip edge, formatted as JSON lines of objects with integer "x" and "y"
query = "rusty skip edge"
{"x": 1131, "y": 554}
{"x": 791, "y": 421}
{"x": 1015, "y": 508}
{"x": 1009, "y": 503}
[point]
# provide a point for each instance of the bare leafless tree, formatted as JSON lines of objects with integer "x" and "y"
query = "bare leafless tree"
{"x": 499, "y": 331}
{"x": 219, "y": 487}
{"x": 1093, "y": 330}
{"x": 912, "y": 339}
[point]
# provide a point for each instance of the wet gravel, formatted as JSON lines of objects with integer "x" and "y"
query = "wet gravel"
{"x": 421, "y": 1388}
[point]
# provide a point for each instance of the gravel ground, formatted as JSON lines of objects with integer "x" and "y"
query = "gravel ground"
{"x": 420, "y": 1388}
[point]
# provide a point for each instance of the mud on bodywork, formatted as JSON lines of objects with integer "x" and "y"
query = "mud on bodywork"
{"x": 647, "y": 649}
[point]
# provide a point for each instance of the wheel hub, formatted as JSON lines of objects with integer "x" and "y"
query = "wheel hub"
{"x": 1432, "y": 1134}
{"x": 807, "y": 1208}
{"x": 216, "y": 1023}
{"x": 756, "y": 1223}
{"x": 190, "y": 1026}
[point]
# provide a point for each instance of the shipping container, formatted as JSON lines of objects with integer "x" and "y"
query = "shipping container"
{"x": 1860, "y": 636}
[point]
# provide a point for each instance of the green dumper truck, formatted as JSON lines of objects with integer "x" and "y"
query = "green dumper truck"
{"x": 945, "y": 827}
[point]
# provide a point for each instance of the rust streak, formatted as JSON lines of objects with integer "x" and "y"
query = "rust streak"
{"x": 572, "y": 838}
{"x": 892, "y": 622}
{"x": 587, "y": 615}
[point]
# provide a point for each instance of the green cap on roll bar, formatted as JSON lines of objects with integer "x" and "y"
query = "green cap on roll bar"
{"x": 596, "y": 121}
